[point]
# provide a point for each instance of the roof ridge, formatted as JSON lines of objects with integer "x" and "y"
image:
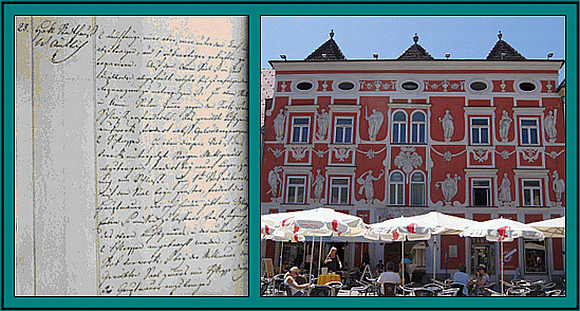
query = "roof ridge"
{"x": 503, "y": 51}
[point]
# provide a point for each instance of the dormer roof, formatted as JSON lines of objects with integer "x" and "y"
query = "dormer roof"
{"x": 328, "y": 51}
{"x": 503, "y": 51}
{"x": 415, "y": 52}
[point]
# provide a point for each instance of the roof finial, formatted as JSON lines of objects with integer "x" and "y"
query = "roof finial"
{"x": 415, "y": 38}
{"x": 499, "y": 35}
{"x": 331, "y": 33}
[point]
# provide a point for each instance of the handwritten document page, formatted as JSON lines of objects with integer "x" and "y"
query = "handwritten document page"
{"x": 131, "y": 156}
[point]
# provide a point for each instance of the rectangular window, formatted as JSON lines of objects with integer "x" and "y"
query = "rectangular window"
{"x": 396, "y": 194}
{"x": 296, "y": 188}
{"x": 529, "y": 131}
{"x": 300, "y": 127}
{"x": 535, "y": 256}
{"x": 343, "y": 131}
{"x": 532, "y": 193}
{"x": 338, "y": 190}
{"x": 418, "y": 133}
{"x": 480, "y": 131}
{"x": 481, "y": 192}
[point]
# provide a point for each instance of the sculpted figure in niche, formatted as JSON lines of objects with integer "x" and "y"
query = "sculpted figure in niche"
{"x": 550, "y": 125}
{"x": 279, "y": 125}
{"x": 323, "y": 120}
{"x": 375, "y": 121}
{"x": 448, "y": 127}
{"x": 504, "y": 190}
{"x": 366, "y": 180}
{"x": 318, "y": 185}
{"x": 448, "y": 187}
{"x": 504, "y": 126}
{"x": 559, "y": 186}
{"x": 274, "y": 180}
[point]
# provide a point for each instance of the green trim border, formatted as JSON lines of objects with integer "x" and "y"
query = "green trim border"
{"x": 254, "y": 10}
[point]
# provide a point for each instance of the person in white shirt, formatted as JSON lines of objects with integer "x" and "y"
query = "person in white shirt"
{"x": 295, "y": 289}
{"x": 388, "y": 277}
{"x": 463, "y": 278}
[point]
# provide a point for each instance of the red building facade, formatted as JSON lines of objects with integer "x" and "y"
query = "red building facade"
{"x": 478, "y": 138}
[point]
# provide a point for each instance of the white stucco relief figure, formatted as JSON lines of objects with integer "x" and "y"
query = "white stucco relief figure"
{"x": 279, "y": 125}
{"x": 504, "y": 126}
{"x": 318, "y": 186}
{"x": 550, "y": 125}
{"x": 448, "y": 187}
{"x": 448, "y": 127}
{"x": 323, "y": 120}
{"x": 375, "y": 121}
{"x": 559, "y": 187}
{"x": 366, "y": 180}
{"x": 274, "y": 180}
{"x": 505, "y": 195}
{"x": 408, "y": 159}
{"x": 298, "y": 153}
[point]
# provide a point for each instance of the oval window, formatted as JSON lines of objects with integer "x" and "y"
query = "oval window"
{"x": 410, "y": 86}
{"x": 345, "y": 86}
{"x": 304, "y": 86}
{"x": 527, "y": 86}
{"x": 478, "y": 86}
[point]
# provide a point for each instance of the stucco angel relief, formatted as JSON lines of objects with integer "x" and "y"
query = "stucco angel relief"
{"x": 408, "y": 159}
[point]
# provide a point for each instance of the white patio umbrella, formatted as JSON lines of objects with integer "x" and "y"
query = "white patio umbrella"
{"x": 317, "y": 222}
{"x": 445, "y": 224}
{"x": 502, "y": 230}
{"x": 270, "y": 233}
{"x": 551, "y": 228}
{"x": 401, "y": 229}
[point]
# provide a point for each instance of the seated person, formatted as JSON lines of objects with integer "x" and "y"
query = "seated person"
{"x": 388, "y": 277}
{"x": 463, "y": 278}
{"x": 481, "y": 281}
{"x": 380, "y": 267}
{"x": 295, "y": 289}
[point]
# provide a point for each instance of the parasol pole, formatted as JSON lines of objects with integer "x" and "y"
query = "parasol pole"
{"x": 501, "y": 250}
{"x": 434, "y": 253}
{"x": 403, "y": 261}
{"x": 320, "y": 256}
{"x": 281, "y": 253}
{"x": 311, "y": 261}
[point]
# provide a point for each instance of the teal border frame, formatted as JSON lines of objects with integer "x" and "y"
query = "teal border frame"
{"x": 254, "y": 10}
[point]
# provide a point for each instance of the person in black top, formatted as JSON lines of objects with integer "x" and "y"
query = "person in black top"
{"x": 332, "y": 261}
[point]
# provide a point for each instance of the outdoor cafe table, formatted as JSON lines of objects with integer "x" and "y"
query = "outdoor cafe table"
{"x": 326, "y": 278}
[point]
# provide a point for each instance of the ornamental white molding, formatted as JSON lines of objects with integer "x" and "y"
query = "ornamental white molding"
{"x": 408, "y": 159}
{"x": 447, "y": 155}
{"x": 481, "y": 154}
{"x": 320, "y": 153}
{"x": 277, "y": 152}
{"x": 554, "y": 154}
{"x": 342, "y": 153}
{"x": 530, "y": 154}
{"x": 298, "y": 153}
{"x": 371, "y": 153}
{"x": 505, "y": 154}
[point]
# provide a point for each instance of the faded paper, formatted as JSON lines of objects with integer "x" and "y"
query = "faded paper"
{"x": 131, "y": 156}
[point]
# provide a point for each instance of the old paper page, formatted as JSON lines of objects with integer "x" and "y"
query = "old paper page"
{"x": 131, "y": 156}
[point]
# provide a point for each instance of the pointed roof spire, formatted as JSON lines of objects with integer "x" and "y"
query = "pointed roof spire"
{"x": 328, "y": 51}
{"x": 415, "y": 52}
{"x": 503, "y": 51}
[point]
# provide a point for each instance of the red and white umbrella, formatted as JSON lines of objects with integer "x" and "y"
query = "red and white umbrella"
{"x": 502, "y": 230}
{"x": 551, "y": 228}
{"x": 400, "y": 229}
{"x": 270, "y": 233}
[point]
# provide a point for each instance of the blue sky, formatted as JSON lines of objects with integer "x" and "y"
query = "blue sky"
{"x": 389, "y": 36}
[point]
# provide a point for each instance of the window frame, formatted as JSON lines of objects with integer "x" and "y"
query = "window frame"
{"x": 423, "y": 191}
{"x": 399, "y": 124}
{"x": 528, "y": 129}
{"x": 343, "y": 126}
{"x": 479, "y": 129}
{"x": 302, "y": 129}
{"x": 489, "y": 191}
{"x": 341, "y": 189}
{"x": 395, "y": 194}
{"x": 297, "y": 187}
{"x": 531, "y": 189}
{"x": 416, "y": 128}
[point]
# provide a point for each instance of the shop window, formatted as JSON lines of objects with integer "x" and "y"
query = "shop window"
{"x": 396, "y": 192}
{"x": 295, "y": 192}
{"x": 529, "y": 131}
{"x": 481, "y": 189}
{"x": 343, "y": 130}
{"x": 532, "y": 193}
{"x": 339, "y": 190}
{"x": 300, "y": 129}
{"x": 399, "y": 127}
{"x": 418, "y": 127}
{"x": 418, "y": 189}
{"x": 480, "y": 131}
{"x": 535, "y": 256}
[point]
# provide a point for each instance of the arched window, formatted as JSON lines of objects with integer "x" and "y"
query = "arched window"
{"x": 396, "y": 193}
{"x": 399, "y": 127}
{"x": 418, "y": 189}
{"x": 418, "y": 127}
